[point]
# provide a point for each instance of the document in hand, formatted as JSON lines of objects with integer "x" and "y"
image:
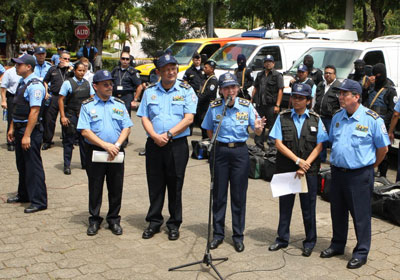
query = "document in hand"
{"x": 286, "y": 183}
{"x": 102, "y": 156}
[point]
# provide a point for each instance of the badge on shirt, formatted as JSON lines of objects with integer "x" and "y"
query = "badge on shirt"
{"x": 178, "y": 98}
{"x": 120, "y": 88}
{"x": 218, "y": 117}
{"x": 118, "y": 112}
{"x": 337, "y": 125}
{"x": 138, "y": 75}
{"x": 37, "y": 94}
{"x": 313, "y": 129}
{"x": 242, "y": 116}
{"x": 383, "y": 128}
{"x": 363, "y": 128}
{"x": 153, "y": 97}
{"x": 212, "y": 87}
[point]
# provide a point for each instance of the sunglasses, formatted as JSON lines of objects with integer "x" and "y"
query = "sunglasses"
{"x": 106, "y": 85}
{"x": 124, "y": 58}
{"x": 329, "y": 73}
{"x": 66, "y": 58}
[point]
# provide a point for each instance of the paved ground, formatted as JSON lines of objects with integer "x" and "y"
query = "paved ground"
{"x": 53, "y": 244}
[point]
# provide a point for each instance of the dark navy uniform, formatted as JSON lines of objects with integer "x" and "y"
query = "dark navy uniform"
{"x": 231, "y": 163}
{"x": 355, "y": 140}
{"x": 195, "y": 77}
{"x": 245, "y": 80}
{"x": 106, "y": 119}
{"x": 75, "y": 92}
{"x": 207, "y": 93}
{"x": 301, "y": 134}
{"x": 125, "y": 83}
{"x": 32, "y": 186}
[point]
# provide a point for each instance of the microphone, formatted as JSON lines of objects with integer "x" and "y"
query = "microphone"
{"x": 228, "y": 100}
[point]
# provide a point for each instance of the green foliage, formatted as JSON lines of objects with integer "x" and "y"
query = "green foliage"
{"x": 109, "y": 63}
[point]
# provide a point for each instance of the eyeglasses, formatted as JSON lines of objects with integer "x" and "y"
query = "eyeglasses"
{"x": 298, "y": 97}
{"x": 124, "y": 58}
{"x": 106, "y": 85}
{"x": 329, "y": 73}
{"x": 343, "y": 93}
{"x": 65, "y": 58}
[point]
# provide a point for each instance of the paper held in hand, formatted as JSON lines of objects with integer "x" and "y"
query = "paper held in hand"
{"x": 102, "y": 156}
{"x": 286, "y": 183}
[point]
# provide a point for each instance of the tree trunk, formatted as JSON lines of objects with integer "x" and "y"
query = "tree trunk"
{"x": 210, "y": 21}
{"x": 379, "y": 16}
{"x": 365, "y": 22}
{"x": 11, "y": 36}
{"x": 349, "y": 14}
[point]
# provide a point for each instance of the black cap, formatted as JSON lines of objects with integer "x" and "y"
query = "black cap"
{"x": 25, "y": 59}
{"x": 87, "y": 41}
{"x": 211, "y": 62}
{"x": 196, "y": 55}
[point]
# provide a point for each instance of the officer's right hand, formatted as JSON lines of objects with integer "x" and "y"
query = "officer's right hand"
{"x": 112, "y": 150}
{"x": 391, "y": 137}
{"x": 304, "y": 165}
{"x": 64, "y": 121}
{"x": 299, "y": 173}
{"x": 4, "y": 104}
{"x": 161, "y": 139}
{"x": 10, "y": 135}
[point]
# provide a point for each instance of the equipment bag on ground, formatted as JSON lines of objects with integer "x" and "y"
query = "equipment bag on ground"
{"x": 200, "y": 149}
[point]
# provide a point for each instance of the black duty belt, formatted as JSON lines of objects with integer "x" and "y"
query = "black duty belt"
{"x": 18, "y": 125}
{"x": 350, "y": 170}
{"x": 231, "y": 145}
{"x": 9, "y": 95}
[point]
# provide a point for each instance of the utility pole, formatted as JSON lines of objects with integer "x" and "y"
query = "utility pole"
{"x": 210, "y": 21}
{"x": 349, "y": 14}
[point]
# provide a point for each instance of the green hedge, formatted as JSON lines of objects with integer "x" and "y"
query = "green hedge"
{"x": 109, "y": 63}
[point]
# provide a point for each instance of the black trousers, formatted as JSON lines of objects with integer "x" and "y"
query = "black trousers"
{"x": 49, "y": 119}
{"x": 69, "y": 135}
{"x": 351, "y": 192}
{"x": 114, "y": 175}
{"x": 31, "y": 186}
{"x": 308, "y": 204}
{"x": 165, "y": 169}
{"x": 231, "y": 167}
{"x": 10, "y": 108}
{"x": 268, "y": 112}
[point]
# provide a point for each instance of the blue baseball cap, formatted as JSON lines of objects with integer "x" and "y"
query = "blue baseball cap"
{"x": 269, "y": 58}
{"x": 102, "y": 75}
{"x": 227, "y": 79}
{"x": 40, "y": 50}
{"x": 166, "y": 59}
{"x": 25, "y": 59}
{"x": 350, "y": 85}
{"x": 302, "y": 68}
{"x": 301, "y": 89}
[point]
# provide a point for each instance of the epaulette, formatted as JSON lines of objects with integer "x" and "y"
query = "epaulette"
{"x": 35, "y": 81}
{"x": 285, "y": 111}
{"x": 150, "y": 85}
{"x": 244, "y": 102}
{"x": 339, "y": 110}
{"x": 131, "y": 70}
{"x": 217, "y": 102}
{"x": 184, "y": 85}
{"x": 119, "y": 100}
{"x": 312, "y": 112}
{"x": 88, "y": 100}
{"x": 48, "y": 63}
{"x": 372, "y": 113}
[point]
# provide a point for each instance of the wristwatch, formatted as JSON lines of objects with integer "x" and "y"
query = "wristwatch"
{"x": 169, "y": 134}
{"x": 297, "y": 161}
{"x": 276, "y": 105}
{"x": 118, "y": 145}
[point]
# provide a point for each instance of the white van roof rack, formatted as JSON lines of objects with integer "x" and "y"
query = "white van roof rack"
{"x": 334, "y": 34}
{"x": 388, "y": 38}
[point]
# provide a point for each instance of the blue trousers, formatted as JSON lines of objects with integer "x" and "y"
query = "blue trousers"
{"x": 351, "y": 192}
{"x": 231, "y": 166}
{"x": 308, "y": 204}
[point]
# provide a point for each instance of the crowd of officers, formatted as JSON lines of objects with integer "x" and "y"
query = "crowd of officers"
{"x": 95, "y": 113}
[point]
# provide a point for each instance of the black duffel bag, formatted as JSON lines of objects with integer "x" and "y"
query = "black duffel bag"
{"x": 269, "y": 164}
{"x": 385, "y": 202}
{"x": 256, "y": 156}
{"x": 324, "y": 183}
{"x": 200, "y": 149}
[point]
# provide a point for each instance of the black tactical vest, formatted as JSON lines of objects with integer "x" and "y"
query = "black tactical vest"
{"x": 91, "y": 54}
{"x": 22, "y": 107}
{"x": 79, "y": 93}
{"x": 300, "y": 147}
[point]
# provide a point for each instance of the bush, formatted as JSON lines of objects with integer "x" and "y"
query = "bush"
{"x": 109, "y": 63}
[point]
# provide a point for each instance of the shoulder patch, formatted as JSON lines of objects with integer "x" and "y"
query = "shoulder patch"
{"x": 119, "y": 100}
{"x": 217, "y": 102}
{"x": 88, "y": 100}
{"x": 244, "y": 102}
{"x": 184, "y": 85}
{"x": 339, "y": 110}
{"x": 372, "y": 113}
{"x": 285, "y": 111}
{"x": 312, "y": 112}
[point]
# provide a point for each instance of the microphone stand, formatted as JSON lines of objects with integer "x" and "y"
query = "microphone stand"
{"x": 207, "y": 258}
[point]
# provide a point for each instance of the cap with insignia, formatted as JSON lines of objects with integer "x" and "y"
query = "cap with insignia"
{"x": 269, "y": 58}
{"x": 227, "y": 79}
{"x": 25, "y": 59}
{"x": 40, "y": 50}
{"x": 350, "y": 85}
{"x": 302, "y": 68}
{"x": 102, "y": 75}
{"x": 211, "y": 62}
{"x": 301, "y": 89}
{"x": 166, "y": 59}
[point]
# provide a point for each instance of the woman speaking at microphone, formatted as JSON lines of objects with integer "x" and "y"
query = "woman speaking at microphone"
{"x": 231, "y": 157}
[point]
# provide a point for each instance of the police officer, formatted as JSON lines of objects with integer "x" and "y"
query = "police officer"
{"x": 167, "y": 110}
{"x": 231, "y": 157}
{"x": 382, "y": 98}
{"x": 267, "y": 94}
{"x": 326, "y": 101}
{"x": 53, "y": 80}
{"x": 359, "y": 73}
{"x": 393, "y": 124}
{"x": 299, "y": 134}
{"x": 359, "y": 143}
{"x": 207, "y": 93}
{"x": 302, "y": 77}
{"x": 195, "y": 75}
{"x": 105, "y": 124}
{"x": 314, "y": 73}
{"x": 88, "y": 51}
{"x": 27, "y": 131}
{"x": 9, "y": 84}
{"x": 72, "y": 93}
{"x": 55, "y": 59}
{"x": 153, "y": 77}
{"x": 42, "y": 66}
{"x": 243, "y": 75}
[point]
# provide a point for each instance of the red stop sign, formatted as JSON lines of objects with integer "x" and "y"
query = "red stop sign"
{"x": 82, "y": 32}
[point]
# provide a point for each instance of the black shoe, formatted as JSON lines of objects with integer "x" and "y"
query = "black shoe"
{"x": 173, "y": 234}
{"x": 329, "y": 253}
{"x": 32, "y": 209}
{"x": 355, "y": 263}
{"x": 11, "y": 148}
{"x": 46, "y": 146}
{"x": 142, "y": 153}
{"x": 67, "y": 170}
{"x": 307, "y": 252}
{"x": 149, "y": 232}
{"x": 93, "y": 229}
{"x": 116, "y": 229}
{"x": 215, "y": 243}
{"x": 276, "y": 246}
{"x": 239, "y": 246}
{"x": 16, "y": 199}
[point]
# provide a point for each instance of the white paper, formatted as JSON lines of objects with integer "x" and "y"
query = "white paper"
{"x": 102, "y": 156}
{"x": 286, "y": 183}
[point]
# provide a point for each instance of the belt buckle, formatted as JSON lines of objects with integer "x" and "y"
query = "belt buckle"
{"x": 231, "y": 145}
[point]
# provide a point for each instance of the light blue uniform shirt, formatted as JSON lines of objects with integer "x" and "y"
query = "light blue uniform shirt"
{"x": 396, "y": 107}
{"x": 235, "y": 123}
{"x": 80, "y": 52}
{"x": 276, "y": 131}
{"x": 10, "y": 80}
{"x": 166, "y": 109}
{"x": 106, "y": 119}
{"x": 34, "y": 93}
{"x": 55, "y": 59}
{"x": 66, "y": 87}
{"x": 2, "y": 69}
{"x": 41, "y": 70}
{"x": 355, "y": 139}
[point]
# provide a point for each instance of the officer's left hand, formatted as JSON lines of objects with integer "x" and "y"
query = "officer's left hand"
{"x": 26, "y": 142}
{"x": 260, "y": 123}
{"x": 112, "y": 150}
{"x": 135, "y": 104}
{"x": 276, "y": 109}
{"x": 304, "y": 165}
{"x": 299, "y": 173}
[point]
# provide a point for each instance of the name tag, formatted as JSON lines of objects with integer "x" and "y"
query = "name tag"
{"x": 120, "y": 88}
{"x": 313, "y": 129}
